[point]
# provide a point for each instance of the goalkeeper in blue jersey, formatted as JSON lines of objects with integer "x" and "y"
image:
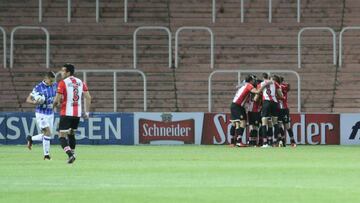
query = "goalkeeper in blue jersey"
{"x": 42, "y": 96}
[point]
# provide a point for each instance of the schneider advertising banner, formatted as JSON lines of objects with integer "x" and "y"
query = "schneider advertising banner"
{"x": 100, "y": 128}
{"x": 310, "y": 129}
{"x": 168, "y": 128}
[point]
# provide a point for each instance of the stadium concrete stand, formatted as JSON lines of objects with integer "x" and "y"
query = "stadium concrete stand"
{"x": 253, "y": 44}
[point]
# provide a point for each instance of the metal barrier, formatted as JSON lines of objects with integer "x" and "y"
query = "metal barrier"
{"x": 195, "y": 28}
{"x": 213, "y": 11}
{"x": 125, "y": 11}
{"x": 30, "y": 28}
{"x": 341, "y": 42}
{"x": 298, "y": 10}
{"x": 40, "y": 11}
{"x": 4, "y": 45}
{"x": 150, "y": 28}
{"x": 69, "y": 11}
{"x": 97, "y": 10}
{"x": 253, "y": 71}
{"x": 316, "y": 28}
{"x": 242, "y": 10}
{"x": 84, "y": 72}
{"x": 270, "y": 10}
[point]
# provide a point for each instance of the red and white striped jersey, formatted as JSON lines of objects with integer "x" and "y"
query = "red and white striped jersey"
{"x": 253, "y": 106}
{"x": 242, "y": 94}
{"x": 269, "y": 92}
{"x": 72, "y": 89}
{"x": 283, "y": 103}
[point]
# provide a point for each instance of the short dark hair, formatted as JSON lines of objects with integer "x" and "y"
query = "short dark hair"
{"x": 69, "y": 68}
{"x": 276, "y": 78}
{"x": 50, "y": 74}
{"x": 281, "y": 79}
{"x": 265, "y": 76}
{"x": 258, "y": 81}
{"x": 250, "y": 78}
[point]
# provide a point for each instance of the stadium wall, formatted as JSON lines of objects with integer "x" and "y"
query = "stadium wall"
{"x": 180, "y": 128}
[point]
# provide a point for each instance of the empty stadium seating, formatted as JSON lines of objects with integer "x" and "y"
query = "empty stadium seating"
{"x": 254, "y": 44}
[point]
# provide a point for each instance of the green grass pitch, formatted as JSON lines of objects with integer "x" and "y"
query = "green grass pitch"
{"x": 181, "y": 174}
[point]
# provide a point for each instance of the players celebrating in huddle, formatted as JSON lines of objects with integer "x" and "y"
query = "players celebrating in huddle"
{"x": 265, "y": 102}
{"x": 238, "y": 112}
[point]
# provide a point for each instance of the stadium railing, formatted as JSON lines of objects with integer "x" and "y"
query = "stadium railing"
{"x": 30, "y": 28}
{"x": 341, "y": 42}
{"x": 242, "y": 10}
{"x": 4, "y": 45}
{"x": 69, "y": 11}
{"x": 298, "y": 10}
{"x": 270, "y": 11}
{"x": 213, "y": 11}
{"x": 212, "y": 41}
{"x": 97, "y": 10}
{"x": 125, "y": 11}
{"x": 316, "y": 28}
{"x": 253, "y": 71}
{"x": 115, "y": 72}
{"x": 97, "y": 7}
{"x": 150, "y": 28}
{"x": 40, "y": 11}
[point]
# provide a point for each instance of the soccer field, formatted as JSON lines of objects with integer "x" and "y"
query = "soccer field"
{"x": 181, "y": 174}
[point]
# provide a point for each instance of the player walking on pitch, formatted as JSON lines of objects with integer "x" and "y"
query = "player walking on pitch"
{"x": 43, "y": 96}
{"x": 69, "y": 93}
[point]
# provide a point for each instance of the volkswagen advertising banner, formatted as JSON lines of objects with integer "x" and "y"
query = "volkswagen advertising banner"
{"x": 100, "y": 128}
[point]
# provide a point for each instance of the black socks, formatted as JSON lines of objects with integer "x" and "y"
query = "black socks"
{"x": 64, "y": 144}
{"x": 72, "y": 141}
{"x": 239, "y": 133}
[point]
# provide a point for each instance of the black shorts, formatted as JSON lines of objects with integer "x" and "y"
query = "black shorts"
{"x": 68, "y": 122}
{"x": 284, "y": 116}
{"x": 237, "y": 112}
{"x": 254, "y": 118}
{"x": 270, "y": 109}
